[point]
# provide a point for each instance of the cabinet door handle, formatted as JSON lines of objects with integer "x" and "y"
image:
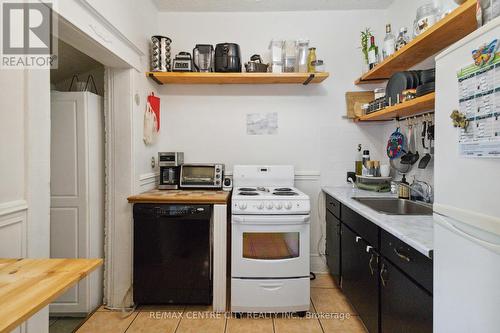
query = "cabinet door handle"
{"x": 332, "y": 204}
{"x": 402, "y": 256}
{"x": 382, "y": 271}
{"x": 372, "y": 271}
{"x": 368, "y": 248}
{"x": 358, "y": 238}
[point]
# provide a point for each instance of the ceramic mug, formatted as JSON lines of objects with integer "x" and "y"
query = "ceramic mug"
{"x": 385, "y": 170}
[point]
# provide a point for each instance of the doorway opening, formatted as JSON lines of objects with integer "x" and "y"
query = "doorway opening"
{"x": 77, "y": 163}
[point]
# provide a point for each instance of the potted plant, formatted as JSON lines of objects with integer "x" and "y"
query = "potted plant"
{"x": 365, "y": 41}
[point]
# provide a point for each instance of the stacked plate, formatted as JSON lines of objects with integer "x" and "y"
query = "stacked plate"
{"x": 428, "y": 82}
{"x": 422, "y": 80}
{"x": 401, "y": 81}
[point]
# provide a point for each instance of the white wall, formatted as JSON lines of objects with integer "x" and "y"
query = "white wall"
{"x": 24, "y": 189}
{"x": 12, "y": 131}
{"x": 134, "y": 19}
{"x": 208, "y": 123}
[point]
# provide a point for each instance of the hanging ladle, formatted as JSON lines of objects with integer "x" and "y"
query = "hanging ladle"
{"x": 415, "y": 157}
{"x": 424, "y": 161}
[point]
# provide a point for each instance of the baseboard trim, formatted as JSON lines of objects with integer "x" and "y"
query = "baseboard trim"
{"x": 317, "y": 264}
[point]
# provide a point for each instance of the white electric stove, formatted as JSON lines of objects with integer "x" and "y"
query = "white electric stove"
{"x": 270, "y": 241}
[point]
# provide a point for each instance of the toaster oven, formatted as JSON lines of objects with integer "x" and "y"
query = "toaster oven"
{"x": 201, "y": 175}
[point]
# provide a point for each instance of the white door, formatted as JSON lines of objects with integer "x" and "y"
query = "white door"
{"x": 76, "y": 197}
{"x": 265, "y": 246}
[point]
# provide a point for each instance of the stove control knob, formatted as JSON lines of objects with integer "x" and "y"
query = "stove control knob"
{"x": 269, "y": 205}
{"x": 242, "y": 205}
{"x": 260, "y": 205}
{"x": 288, "y": 205}
{"x": 278, "y": 205}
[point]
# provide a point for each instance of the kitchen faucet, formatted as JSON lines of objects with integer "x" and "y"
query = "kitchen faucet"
{"x": 426, "y": 190}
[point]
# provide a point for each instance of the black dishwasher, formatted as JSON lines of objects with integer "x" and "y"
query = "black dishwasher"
{"x": 172, "y": 254}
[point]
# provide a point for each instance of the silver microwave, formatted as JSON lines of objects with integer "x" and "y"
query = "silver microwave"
{"x": 201, "y": 175}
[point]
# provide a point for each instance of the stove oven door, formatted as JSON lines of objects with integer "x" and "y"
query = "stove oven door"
{"x": 270, "y": 246}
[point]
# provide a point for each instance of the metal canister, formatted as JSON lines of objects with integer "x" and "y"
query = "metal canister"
{"x": 160, "y": 54}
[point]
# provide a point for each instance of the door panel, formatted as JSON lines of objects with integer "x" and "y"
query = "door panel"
{"x": 68, "y": 187}
{"x": 405, "y": 306}
{"x": 65, "y": 146}
{"x": 360, "y": 280}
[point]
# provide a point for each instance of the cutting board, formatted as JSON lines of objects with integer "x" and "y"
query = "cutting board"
{"x": 353, "y": 97}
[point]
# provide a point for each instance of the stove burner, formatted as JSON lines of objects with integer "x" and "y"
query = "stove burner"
{"x": 283, "y": 189}
{"x": 285, "y": 193}
{"x": 248, "y": 193}
{"x": 247, "y": 189}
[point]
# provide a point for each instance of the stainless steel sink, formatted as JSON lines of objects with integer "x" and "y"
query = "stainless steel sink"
{"x": 395, "y": 206}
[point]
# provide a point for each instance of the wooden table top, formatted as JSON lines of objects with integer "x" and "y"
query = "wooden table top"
{"x": 28, "y": 285}
{"x": 182, "y": 196}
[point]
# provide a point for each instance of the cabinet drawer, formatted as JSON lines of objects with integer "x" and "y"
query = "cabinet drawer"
{"x": 270, "y": 295}
{"x": 333, "y": 205}
{"x": 363, "y": 227}
{"x": 406, "y": 258}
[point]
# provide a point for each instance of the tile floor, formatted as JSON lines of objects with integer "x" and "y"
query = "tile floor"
{"x": 330, "y": 312}
{"x": 64, "y": 324}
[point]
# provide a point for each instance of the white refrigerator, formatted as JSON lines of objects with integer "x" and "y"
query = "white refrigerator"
{"x": 467, "y": 207}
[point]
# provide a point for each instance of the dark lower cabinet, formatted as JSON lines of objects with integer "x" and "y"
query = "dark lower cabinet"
{"x": 360, "y": 278}
{"x": 333, "y": 258}
{"x": 405, "y": 306}
{"x": 388, "y": 282}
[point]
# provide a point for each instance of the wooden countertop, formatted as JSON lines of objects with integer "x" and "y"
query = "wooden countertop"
{"x": 181, "y": 196}
{"x": 28, "y": 285}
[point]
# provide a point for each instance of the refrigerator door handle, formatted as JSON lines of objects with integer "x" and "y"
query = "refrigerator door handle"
{"x": 454, "y": 228}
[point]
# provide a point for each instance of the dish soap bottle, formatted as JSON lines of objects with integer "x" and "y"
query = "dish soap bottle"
{"x": 365, "y": 166}
{"x": 403, "y": 190}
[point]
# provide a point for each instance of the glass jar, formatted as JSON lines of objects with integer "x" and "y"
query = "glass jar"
{"x": 290, "y": 56}
{"x": 426, "y": 18}
{"x": 302, "y": 52}
{"x": 487, "y": 10}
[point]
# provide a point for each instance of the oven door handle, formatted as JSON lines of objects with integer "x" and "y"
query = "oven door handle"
{"x": 271, "y": 219}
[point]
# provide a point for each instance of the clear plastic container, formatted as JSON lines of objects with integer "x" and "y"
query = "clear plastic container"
{"x": 290, "y": 56}
{"x": 276, "y": 49}
{"x": 302, "y": 52}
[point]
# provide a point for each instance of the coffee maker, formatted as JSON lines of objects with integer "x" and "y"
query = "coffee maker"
{"x": 170, "y": 166}
{"x": 203, "y": 58}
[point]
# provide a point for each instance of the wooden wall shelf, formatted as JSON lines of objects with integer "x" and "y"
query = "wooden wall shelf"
{"x": 403, "y": 110}
{"x": 447, "y": 31}
{"x": 237, "y": 78}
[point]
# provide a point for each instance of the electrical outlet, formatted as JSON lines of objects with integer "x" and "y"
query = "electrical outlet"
{"x": 153, "y": 162}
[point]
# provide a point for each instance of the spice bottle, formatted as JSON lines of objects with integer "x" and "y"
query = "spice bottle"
{"x": 311, "y": 60}
{"x": 376, "y": 165}
{"x": 404, "y": 190}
